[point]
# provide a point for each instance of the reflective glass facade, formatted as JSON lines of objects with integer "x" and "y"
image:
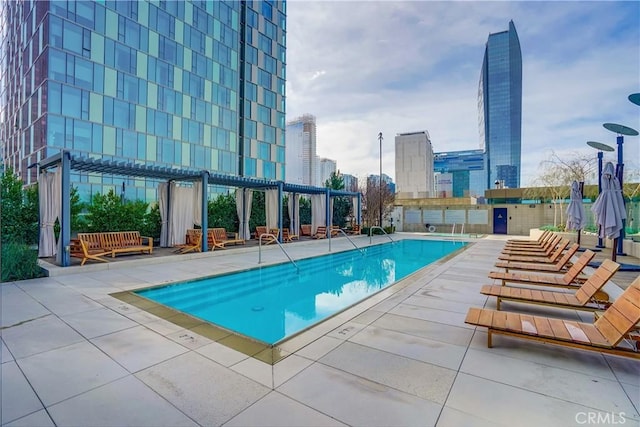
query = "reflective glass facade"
{"x": 500, "y": 108}
{"x": 467, "y": 171}
{"x": 184, "y": 84}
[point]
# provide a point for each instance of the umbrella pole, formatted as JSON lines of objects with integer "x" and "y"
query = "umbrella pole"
{"x": 579, "y": 233}
{"x": 614, "y": 248}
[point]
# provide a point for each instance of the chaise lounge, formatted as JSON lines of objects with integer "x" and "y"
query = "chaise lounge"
{"x": 543, "y": 257}
{"x": 562, "y": 265}
{"x": 570, "y": 279}
{"x": 587, "y": 297}
{"x": 604, "y": 335}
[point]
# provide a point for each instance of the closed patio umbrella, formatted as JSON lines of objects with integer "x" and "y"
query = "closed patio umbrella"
{"x": 609, "y": 207}
{"x": 575, "y": 210}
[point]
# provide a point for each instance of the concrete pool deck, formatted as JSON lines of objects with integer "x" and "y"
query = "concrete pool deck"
{"x": 72, "y": 355}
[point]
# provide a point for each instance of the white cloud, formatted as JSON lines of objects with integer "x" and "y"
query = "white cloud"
{"x": 392, "y": 67}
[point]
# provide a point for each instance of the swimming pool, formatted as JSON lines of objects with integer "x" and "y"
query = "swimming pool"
{"x": 270, "y": 304}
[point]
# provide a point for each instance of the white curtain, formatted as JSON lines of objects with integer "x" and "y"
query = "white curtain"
{"x": 181, "y": 217}
{"x": 50, "y": 201}
{"x": 271, "y": 208}
{"x": 318, "y": 211}
{"x": 356, "y": 219}
{"x": 294, "y": 213}
{"x": 163, "y": 194}
{"x": 197, "y": 203}
{"x": 244, "y": 216}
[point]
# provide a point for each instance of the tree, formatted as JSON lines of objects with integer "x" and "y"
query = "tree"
{"x": 371, "y": 194}
{"x": 222, "y": 213}
{"x": 341, "y": 204}
{"x": 109, "y": 212}
{"x": 553, "y": 185}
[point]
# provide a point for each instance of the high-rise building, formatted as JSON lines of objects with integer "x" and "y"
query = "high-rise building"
{"x": 414, "y": 165}
{"x": 465, "y": 171}
{"x": 325, "y": 168}
{"x": 350, "y": 182}
{"x": 500, "y": 108}
{"x": 301, "y": 160}
{"x": 181, "y": 84}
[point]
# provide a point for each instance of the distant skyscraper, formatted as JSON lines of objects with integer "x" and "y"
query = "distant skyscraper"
{"x": 325, "y": 168}
{"x": 350, "y": 182}
{"x": 414, "y": 165}
{"x": 301, "y": 160}
{"x": 500, "y": 108}
{"x": 180, "y": 84}
{"x": 466, "y": 169}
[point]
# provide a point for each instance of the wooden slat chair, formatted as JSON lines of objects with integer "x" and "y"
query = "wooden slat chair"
{"x": 570, "y": 279}
{"x": 260, "y": 230}
{"x": 193, "y": 237}
{"x": 544, "y": 250}
{"x": 544, "y": 237}
{"x": 545, "y": 234}
{"x": 587, "y": 297}
{"x": 305, "y": 230}
{"x": 356, "y": 229}
{"x": 212, "y": 244}
{"x": 603, "y": 335}
{"x": 80, "y": 249}
{"x": 562, "y": 265}
{"x": 553, "y": 258}
{"x": 288, "y": 237}
{"x": 223, "y": 239}
{"x": 321, "y": 232}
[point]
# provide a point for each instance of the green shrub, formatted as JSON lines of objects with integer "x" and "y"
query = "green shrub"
{"x": 109, "y": 213}
{"x": 19, "y": 262}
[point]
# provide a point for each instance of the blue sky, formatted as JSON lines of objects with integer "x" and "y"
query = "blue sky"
{"x": 367, "y": 67}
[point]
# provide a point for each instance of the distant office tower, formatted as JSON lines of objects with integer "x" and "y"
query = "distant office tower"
{"x": 325, "y": 168}
{"x": 181, "y": 84}
{"x": 500, "y": 108}
{"x": 350, "y": 182}
{"x": 414, "y": 165}
{"x": 464, "y": 171}
{"x": 301, "y": 160}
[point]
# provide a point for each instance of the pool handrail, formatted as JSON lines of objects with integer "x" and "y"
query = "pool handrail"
{"x": 349, "y": 239}
{"x": 380, "y": 228}
{"x": 275, "y": 239}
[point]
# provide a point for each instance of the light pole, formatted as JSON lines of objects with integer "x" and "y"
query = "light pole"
{"x": 380, "y": 183}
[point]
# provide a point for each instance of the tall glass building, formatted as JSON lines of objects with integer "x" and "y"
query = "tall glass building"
{"x": 182, "y": 84}
{"x": 500, "y": 108}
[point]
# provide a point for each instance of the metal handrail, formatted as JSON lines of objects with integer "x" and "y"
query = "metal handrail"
{"x": 349, "y": 239}
{"x": 383, "y": 232}
{"x": 275, "y": 239}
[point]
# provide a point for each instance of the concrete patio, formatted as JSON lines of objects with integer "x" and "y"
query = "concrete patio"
{"x": 72, "y": 355}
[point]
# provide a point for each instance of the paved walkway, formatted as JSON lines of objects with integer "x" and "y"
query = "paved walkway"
{"x": 74, "y": 356}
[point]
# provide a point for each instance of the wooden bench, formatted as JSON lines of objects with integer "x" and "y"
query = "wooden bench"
{"x": 117, "y": 242}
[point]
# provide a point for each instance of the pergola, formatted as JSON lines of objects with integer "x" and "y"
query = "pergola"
{"x": 67, "y": 163}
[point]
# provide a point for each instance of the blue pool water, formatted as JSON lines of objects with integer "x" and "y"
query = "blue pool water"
{"x": 272, "y": 303}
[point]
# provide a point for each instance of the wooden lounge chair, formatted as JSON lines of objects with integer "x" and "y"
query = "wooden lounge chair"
{"x": 562, "y": 265}
{"x": 356, "y": 229}
{"x": 546, "y": 249}
{"x": 287, "y": 237}
{"x": 603, "y": 335}
{"x": 546, "y": 235}
{"x": 537, "y": 241}
{"x": 193, "y": 244}
{"x": 260, "y": 230}
{"x": 222, "y": 238}
{"x": 80, "y": 249}
{"x": 551, "y": 259}
{"x": 587, "y": 297}
{"x": 305, "y": 230}
{"x": 571, "y": 278}
{"x": 212, "y": 244}
{"x": 321, "y": 232}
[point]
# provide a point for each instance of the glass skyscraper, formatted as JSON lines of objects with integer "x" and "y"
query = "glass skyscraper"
{"x": 500, "y": 108}
{"x": 182, "y": 84}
